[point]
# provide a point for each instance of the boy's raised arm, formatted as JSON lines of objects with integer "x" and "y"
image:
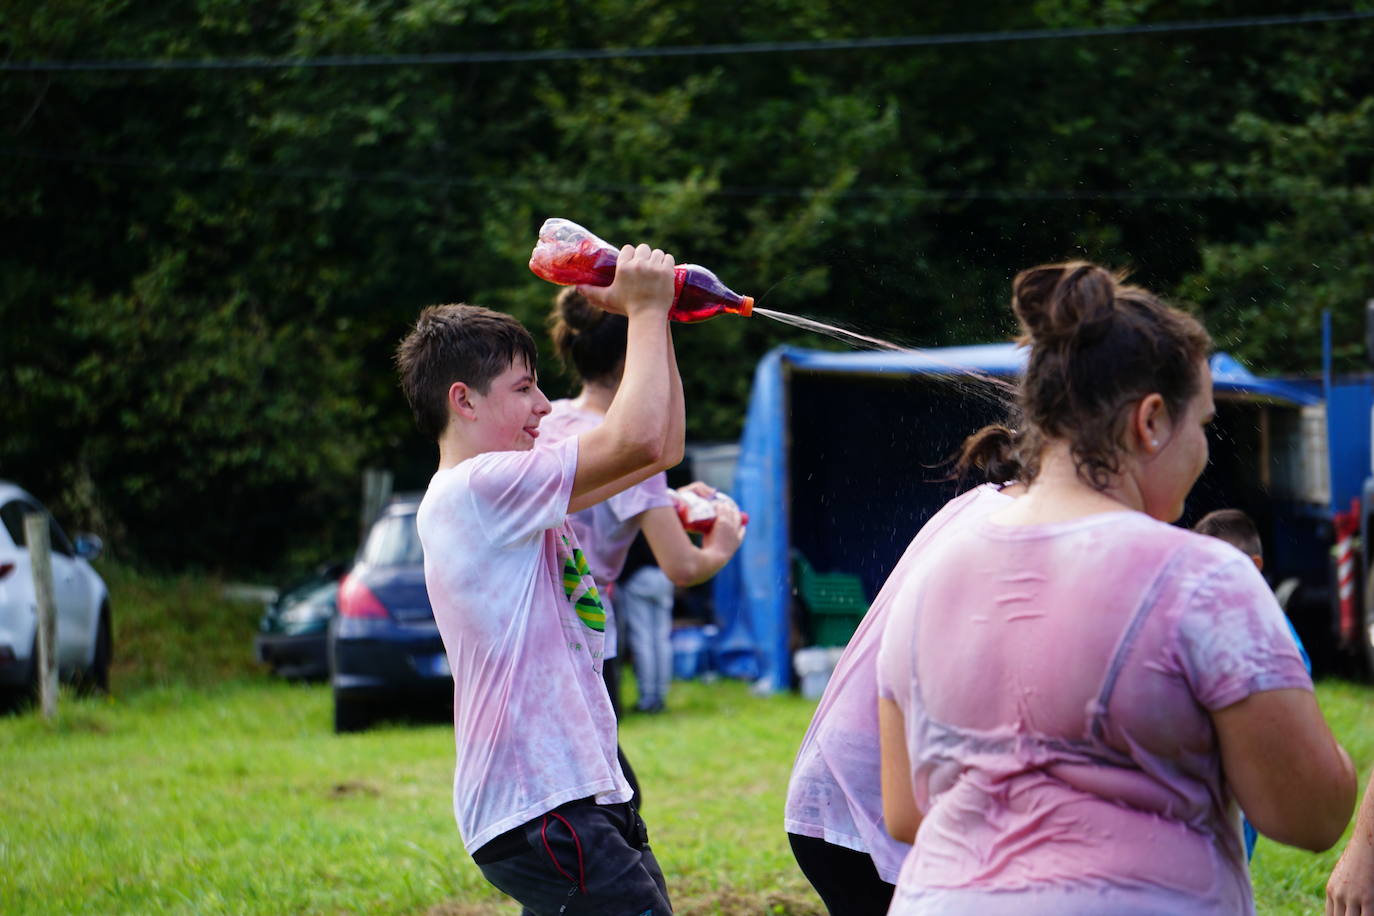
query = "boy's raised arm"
{"x": 635, "y": 435}
{"x": 676, "y": 436}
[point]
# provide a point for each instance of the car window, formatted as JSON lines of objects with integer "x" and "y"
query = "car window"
{"x": 60, "y": 543}
{"x": 311, "y": 592}
{"x": 12, "y": 515}
{"x": 299, "y": 591}
{"x": 324, "y": 594}
{"x": 393, "y": 541}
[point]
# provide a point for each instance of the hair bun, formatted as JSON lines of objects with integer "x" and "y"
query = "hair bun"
{"x": 990, "y": 454}
{"x": 1055, "y": 301}
{"x": 576, "y": 312}
{"x": 586, "y": 338}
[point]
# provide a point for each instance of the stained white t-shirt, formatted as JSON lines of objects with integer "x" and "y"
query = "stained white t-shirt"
{"x": 835, "y": 793}
{"x": 1056, "y": 683}
{"x": 524, "y": 631}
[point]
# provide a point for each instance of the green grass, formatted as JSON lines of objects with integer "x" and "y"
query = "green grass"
{"x": 237, "y": 799}
{"x": 1289, "y": 880}
{"x": 203, "y": 787}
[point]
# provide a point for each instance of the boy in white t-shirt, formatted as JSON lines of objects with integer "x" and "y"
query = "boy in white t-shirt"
{"x": 539, "y": 796}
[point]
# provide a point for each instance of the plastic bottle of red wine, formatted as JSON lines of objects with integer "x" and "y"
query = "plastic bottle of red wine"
{"x": 569, "y": 255}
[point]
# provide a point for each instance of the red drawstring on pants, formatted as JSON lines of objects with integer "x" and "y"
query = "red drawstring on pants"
{"x": 544, "y": 835}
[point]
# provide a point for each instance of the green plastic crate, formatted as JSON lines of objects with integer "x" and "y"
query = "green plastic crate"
{"x": 835, "y": 601}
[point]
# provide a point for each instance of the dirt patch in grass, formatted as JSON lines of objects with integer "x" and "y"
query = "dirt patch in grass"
{"x": 728, "y": 902}
{"x": 82, "y": 722}
{"x": 453, "y": 908}
{"x": 731, "y": 902}
{"x": 353, "y": 788}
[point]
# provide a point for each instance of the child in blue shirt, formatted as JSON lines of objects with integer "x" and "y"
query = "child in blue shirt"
{"x": 1237, "y": 529}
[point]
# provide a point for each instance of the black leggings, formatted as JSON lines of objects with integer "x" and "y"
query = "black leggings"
{"x": 610, "y": 673}
{"x": 846, "y": 880}
{"x": 636, "y": 798}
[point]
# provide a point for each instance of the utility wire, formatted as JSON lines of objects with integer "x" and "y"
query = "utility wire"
{"x": 771, "y": 47}
{"x": 753, "y": 191}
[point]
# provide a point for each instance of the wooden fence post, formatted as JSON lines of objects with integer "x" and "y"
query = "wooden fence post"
{"x": 376, "y": 491}
{"x": 39, "y": 540}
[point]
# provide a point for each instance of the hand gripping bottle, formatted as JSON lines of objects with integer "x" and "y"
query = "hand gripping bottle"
{"x": 567, "y": 254}
{"x": 699, "y": 513}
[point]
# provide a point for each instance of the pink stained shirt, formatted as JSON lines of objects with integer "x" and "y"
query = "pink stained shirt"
{"x": 835, "y": 793}
{"x": 523, "y": 629}
{"x": 1055, "y": 682}
{"x": 607, "y": 529}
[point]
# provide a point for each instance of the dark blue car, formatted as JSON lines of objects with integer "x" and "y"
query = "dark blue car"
{"x": 386, "y": 656}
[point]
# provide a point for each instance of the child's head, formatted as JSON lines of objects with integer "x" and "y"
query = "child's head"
{"x": 458, "y": 343}
{"x": 1235, "y": 528}
{"x": 588, "y": 340}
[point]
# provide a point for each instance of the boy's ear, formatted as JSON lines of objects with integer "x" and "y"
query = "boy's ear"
{"x": 460, "y": 400}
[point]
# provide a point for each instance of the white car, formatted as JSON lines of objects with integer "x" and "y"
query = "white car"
{"x": 84, "y": 644}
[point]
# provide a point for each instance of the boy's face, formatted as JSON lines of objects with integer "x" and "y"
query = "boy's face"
{"x": 508, "y": 415}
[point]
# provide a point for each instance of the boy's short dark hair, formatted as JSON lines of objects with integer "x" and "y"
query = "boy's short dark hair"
{"x": 457, "y": 343}
{"x": 1234, "y": 527}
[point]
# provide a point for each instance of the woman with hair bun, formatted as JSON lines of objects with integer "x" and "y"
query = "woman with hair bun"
{"x": 591, "y": 342}
{"x": 1075, "y": 695}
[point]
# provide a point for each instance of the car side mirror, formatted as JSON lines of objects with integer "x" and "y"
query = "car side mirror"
{"x": 89, "y": 546}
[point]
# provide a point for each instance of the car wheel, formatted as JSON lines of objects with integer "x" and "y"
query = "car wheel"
{"x": 96, "y": 678}
{"x": 351, "y": 715}
{"x": 22, "y": 696}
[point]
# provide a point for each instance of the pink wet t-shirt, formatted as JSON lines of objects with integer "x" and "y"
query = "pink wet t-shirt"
{"x": 1055, "y": 682}
{"x": 606, "y": 529}
{"x": 524, "y": 631}
{"x": 835, "y": 793}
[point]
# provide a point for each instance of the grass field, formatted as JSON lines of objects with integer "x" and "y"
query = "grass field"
{"x": 237, "y": 799}
{"x": 218, "y": 791}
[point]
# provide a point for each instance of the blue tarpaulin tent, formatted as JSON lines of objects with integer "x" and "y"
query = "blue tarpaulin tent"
{"x": 845, "y": 455}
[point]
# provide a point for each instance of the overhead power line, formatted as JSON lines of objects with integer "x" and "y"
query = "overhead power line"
{"x": 770, "y": 47}
{"x": 870, "y": 192}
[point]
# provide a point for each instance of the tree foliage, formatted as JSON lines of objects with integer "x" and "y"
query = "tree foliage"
{"x": 205, "y": 271}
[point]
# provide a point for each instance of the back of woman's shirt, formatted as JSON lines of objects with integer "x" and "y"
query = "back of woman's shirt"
{"x": 835, "y": 793}
{"x": 1055, "y": 682}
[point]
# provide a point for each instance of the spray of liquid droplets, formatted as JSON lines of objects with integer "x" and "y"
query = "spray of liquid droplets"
{"x": 988, "y": 387}
{"x": 830, "y": 330}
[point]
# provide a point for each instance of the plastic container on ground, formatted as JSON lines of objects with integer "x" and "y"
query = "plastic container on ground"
{"x": 693, "y": 652}
{"x": 814, "y": 667}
